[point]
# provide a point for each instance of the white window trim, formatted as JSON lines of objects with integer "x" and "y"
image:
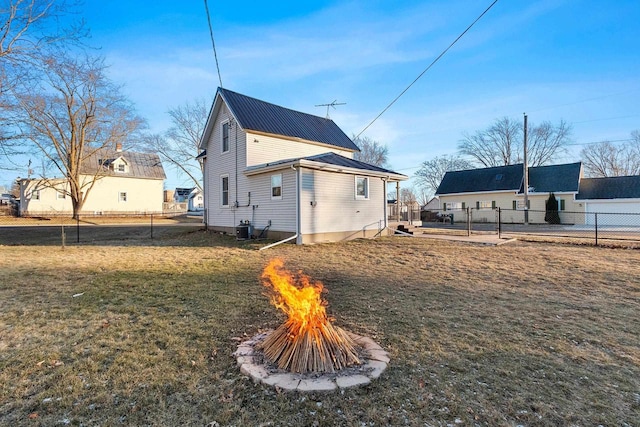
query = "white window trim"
{"x": 485, "y": 204}
{"x": 271, "y": 187}
{"x": 126, "y": 197}
{"x": 228, "y": 190}
{"x": 61, "y": 195}
{"x": 367, "y": 187}
{"x": 35, "y": 195}
{"x": 228, "y": 123}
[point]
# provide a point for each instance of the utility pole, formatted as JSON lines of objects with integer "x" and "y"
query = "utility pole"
{"x": 526, "y": 175}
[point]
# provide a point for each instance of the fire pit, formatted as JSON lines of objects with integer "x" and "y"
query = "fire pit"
{"x": 307, "y": 352}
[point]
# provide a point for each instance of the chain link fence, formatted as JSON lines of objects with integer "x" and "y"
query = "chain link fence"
{"x": 611, "y": 229}
{"x": 92, "y": 229}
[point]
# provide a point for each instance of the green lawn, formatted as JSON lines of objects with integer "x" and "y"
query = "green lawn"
{"x": 520, "y": 334}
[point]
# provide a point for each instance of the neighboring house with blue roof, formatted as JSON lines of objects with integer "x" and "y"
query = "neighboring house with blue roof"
{"x": 503, "y": 186}
{"x": 287, "y": 174}
{"x": 608, "y": 196}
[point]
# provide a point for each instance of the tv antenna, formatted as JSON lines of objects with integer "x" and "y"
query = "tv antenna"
{"x": 332, "y": 105}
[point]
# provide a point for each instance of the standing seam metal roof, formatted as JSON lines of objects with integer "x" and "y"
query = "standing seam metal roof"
{"x": 254, "y": 114}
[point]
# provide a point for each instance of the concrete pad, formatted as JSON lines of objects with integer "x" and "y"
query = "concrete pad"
{"x": 352, "y": 381}
{"x": 284, "y": 381}
{"x": 379, "y": 355}
{"x": 256, "y": 372}
{"x": 317, "y": 384}
{"x": 377, "y": 368}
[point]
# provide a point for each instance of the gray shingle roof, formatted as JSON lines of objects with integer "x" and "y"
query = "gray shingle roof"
{"x": 543, "y": 179}
{"x": 554, "y": 178}
{"x": 254, "y": 114}
{"x": 500, "y": 178}
{"x": 141, "y": 165}
{"x": 619, "y": 187}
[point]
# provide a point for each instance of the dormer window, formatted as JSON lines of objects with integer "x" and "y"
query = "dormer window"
{"x": 121, "y": 168}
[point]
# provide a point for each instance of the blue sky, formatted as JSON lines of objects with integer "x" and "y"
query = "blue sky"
{"x": 553, "y": 59}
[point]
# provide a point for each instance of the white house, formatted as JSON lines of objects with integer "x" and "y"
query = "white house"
{"x": 120, "y": 181}
{"x": 287, "y": 174}
{"x": 616, "y": 198}
{"x": 195, "y": 200}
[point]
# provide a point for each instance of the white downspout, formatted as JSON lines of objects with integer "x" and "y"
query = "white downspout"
{"x": 296, "y": 236}
{"x": 298, "y": 207}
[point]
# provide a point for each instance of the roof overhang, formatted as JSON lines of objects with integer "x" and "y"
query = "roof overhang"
{"x": 326, "y": 167}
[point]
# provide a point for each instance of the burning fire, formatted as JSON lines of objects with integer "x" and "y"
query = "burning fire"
{"x": 307, "y": 341}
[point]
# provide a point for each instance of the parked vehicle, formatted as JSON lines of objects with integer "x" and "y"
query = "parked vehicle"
{"x": 6, "y": 199}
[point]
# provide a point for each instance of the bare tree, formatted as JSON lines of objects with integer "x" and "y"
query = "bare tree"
{"x": 24, "y": 30}
{"x": 27, "y": 29}
{"x": 70, "y": 115}
{"x": 371, "y": 152}
{"x": 503, "y": 143}
{"x": 431, "y": 172}
{"x": 605, "y": 159}
{"x": 180, "y": 145}
{"x": 546, "y": 141}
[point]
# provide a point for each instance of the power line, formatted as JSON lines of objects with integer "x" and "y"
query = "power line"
{"x": 213, "y": 43}
{"x": 427, "y": 69}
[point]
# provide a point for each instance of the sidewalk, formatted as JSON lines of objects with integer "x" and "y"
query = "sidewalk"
{"x": 483, "y": 239}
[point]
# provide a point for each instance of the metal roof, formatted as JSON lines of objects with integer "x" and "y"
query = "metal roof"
{"x": 618, "y": 187}
{"x": 338, "y": 160}
{"x": 140, "y": 165}
{"x": 254, "y": 114}
{"x": 542, "y": 179}
{"x": 332, "y": 159}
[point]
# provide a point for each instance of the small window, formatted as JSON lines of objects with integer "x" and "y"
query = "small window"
{"x": 561, "y": 205}
{"x": 362, "y": 187}
{"x": 61, "y": 195}
{"x": 121, "y": 168}
{"x": 122, "y": 196}
{"x": 485, "y": 204}
{"x": 225, "y": 137}
{"x": 499, "y": 177}
{"x": 276, "y": 186}
{"x": 455, "y": 206}
{"x": 224, "y": 190}
{"x": 35, "y": 195}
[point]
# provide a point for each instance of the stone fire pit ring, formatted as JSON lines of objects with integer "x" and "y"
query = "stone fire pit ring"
{"x": 252, "y": 364}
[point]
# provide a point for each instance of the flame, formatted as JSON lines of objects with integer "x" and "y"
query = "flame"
{"x": 307, "y": 341}
{"x": 296, "y": 296}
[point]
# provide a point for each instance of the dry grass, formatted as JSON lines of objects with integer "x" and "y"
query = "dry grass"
{"x": 522, "y": 334}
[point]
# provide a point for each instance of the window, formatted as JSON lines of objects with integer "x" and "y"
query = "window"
{"x": 224, "y": 190}
{"x": 120, "y": 168}
{"x": 455, "y": 205}
{"x": 122, "y": 196}
{"x": 362, "y": 187}
{"x": 276, "y": 187}
{"x": 561, "y": 205}
{"x": 35, "y": 195}
{"x": 485, "y": 205}
{"x": 225, "y": 137}
{"x": 61, "y": 195}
